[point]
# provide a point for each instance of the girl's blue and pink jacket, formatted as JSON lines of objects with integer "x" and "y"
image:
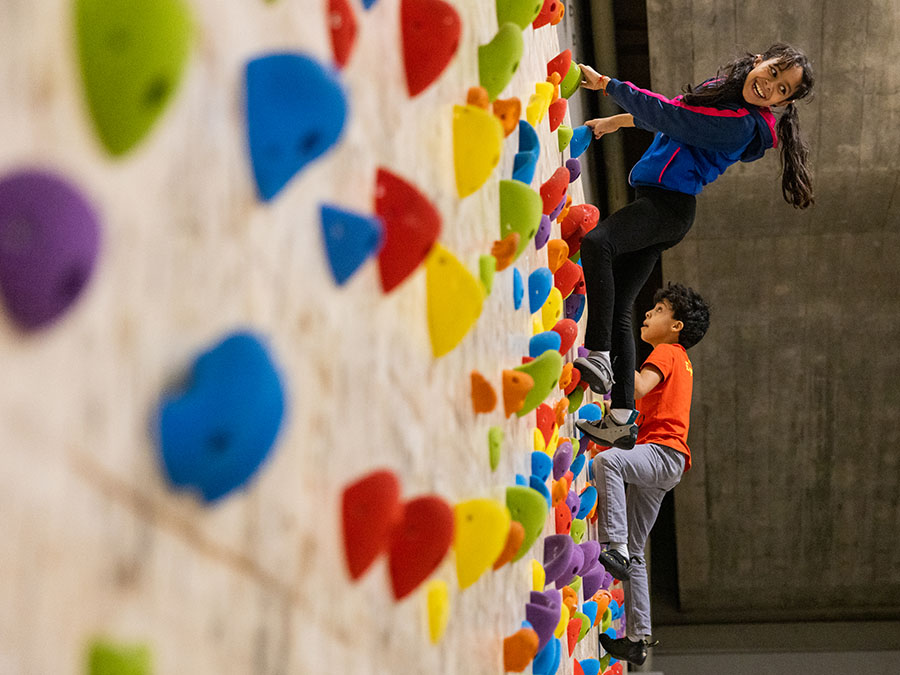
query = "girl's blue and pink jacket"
{"x": 694, "y": 144}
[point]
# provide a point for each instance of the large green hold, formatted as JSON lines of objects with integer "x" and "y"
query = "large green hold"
{"x": 528, "y": 507}
{"x": 106, "y": 658}
{"x": 133, "y": 55}
{"x": 519, "y": 12}
{"x": 499, "y": 59}
{"x": 571, "y": 82}
{"x": 545, "y": 371}
{"x": 520, "y": 211}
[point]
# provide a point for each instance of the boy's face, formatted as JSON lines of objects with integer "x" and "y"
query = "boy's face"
{"x": 660, "y": 326}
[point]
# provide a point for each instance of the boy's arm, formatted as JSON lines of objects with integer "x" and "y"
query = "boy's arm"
{"x": 645, "y": 379}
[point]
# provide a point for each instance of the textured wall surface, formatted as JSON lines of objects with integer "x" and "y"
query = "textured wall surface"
{"x": 795, "y": 418}
{"x": 93, "y": 540}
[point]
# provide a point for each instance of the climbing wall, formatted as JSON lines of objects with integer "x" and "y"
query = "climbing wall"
{"x": 249, "y": 261}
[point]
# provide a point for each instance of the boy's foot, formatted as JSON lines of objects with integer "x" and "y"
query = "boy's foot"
{"x": 596, "y": 371}
{"x": 624, "y": 649}
{"x": 616, "y": 564}
{"x": 609, "y": 433}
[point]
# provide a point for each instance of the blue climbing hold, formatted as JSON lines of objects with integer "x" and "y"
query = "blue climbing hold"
{"x": 541, "y": 465}
{"x": 590, "y": 666}
{"x": 215, "y": 433}
{"x": 541, "y": 342}
{"x": 525, "y": 160}
{"x": 588, "y": 500}
{"x": 540, "y": 282}
{"x": 590, "y": 412}
{"x": 367, "y": 4}
{"x": 296, "y": 110}
{"x": 518, "y": 288}
{"x": 574, "y": 306}
{"x": 546, "y": 662}
{"x": 589, "y": 609}
{"x": 350, "y": 239}
{"x": 581, "y": 139}
{"x": 536, "y": 483}
{"x": 521, "y": 480}
{"x": 577, "y": 465}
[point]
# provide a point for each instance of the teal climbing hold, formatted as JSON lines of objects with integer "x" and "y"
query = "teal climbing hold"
{"x": 590, "y": 412}
{"x": 499, "y": 59}
{"x": 350, "y": 239}
{"x": 525, "y": 160}
{"x": 588, "y": 501}
{"x": 133, "y": 54}
{"x": 590, "y": 666}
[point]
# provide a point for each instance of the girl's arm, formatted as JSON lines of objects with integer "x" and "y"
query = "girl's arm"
{"x": 645, "y": 379}
{"x": 607, "y": 125}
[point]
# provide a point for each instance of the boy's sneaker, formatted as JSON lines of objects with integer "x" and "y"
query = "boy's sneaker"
{"x": 609, "y": 433}
{"x": 596, "y": 371}
{"x": 624, "y": 649}
{"x": 616, "y": 564}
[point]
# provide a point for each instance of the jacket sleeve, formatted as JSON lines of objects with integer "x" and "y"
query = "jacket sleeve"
{"x": 704, "y": 127}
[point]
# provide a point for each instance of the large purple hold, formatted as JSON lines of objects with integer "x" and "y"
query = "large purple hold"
{"x": 591, "y": 551}
{"x": 557, "y": 556}
{"x": 49, "y": 240}
{"x": 592, "y": 581}
{"x": 544, "y": 621}
{"x": 576, "y": 562}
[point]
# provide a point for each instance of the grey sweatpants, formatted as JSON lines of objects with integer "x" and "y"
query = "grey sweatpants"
{"x": 650, "y": 471}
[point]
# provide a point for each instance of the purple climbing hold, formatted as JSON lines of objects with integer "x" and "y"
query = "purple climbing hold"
{"x": 557, "y": 555}
{"x": 543, "y": 233}
{"x": 593, "y": 581}
{"x": 590, "y": 549}
{"x": 562, "y": 459}
{"x": 548, "y": 598}
{"x": 49, "y": 241}
{"x": 574, "y": 167}
{"x": 574, "y": 306}
{"x": 558, "y": 208}
{"x": 544, "y": 621}
{"x": 576, "y": 560}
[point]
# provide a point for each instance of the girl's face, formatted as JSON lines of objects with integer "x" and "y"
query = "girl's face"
{"x": 768, "y": 85}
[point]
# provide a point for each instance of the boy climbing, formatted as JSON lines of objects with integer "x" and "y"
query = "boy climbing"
{"x": 662, "y": 389}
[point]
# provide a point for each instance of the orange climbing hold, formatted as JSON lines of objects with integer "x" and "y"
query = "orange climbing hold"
{"x": 484, "y": 398}
{"x": 576, "y": 379}
{"x": 514, "y": 540}
{"x": 561, "y": 409}
{"x": 519, "y": 650}
{"x": 558, "y": 493}
{"x": 478, "y": 96}
{"x": 557, "y": 253}
{"x": 508, "y": 110}
{"x": 516, "y": 386}
{"x": 565, "y": 377}
{"x": 505, "y": 249}
{"x": 565, "y": 209}
{"x": 570, "y": 599}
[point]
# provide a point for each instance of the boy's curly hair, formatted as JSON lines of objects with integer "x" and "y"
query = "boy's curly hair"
{"x": 687, "y": 307}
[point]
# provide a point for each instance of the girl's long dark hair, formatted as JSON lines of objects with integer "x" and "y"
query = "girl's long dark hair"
{"x": 796, "y": 177}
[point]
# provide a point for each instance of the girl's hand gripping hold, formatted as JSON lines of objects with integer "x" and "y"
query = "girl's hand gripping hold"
{"x": 591, "y": 79}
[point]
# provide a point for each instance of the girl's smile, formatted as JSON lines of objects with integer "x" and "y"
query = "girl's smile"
{"x": 768, "y": 85}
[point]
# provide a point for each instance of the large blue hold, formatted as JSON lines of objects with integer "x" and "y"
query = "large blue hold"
{"x": 588, "y": 499}
{"x": 540, "y": 283}
{"x": 590, "y": 412}
{"x": 296, "y": 110}
{"x": 547, "y": 341}
{"x": 215, "y": 433}
{"x": 546, "y": 662}
{"x": 350, "y": 239}
{"x": 581, "y": 139}
{"x": 541, "y": 465}
{"x": 525, "y": 161}
{"x": 536, "y": 483}
{"x": 590, "y": 666}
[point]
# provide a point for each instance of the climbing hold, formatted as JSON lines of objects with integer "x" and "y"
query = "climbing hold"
{"x": 495, "y": 444}
{"x": 411, "y": 227}
{"x": 554, "y": 189}
{"x": 593, "y": 582}
{"x": 526, "y": 158}
{"x": 562, "y": 460}
{"x": 578, "y": 531}
{"x": 477, "y": 137}
{"x": 575, "y": 399}
{"x": 563, "y": 136}
{"x": 574, "y": 306}
{"x": 589, "y": 666}
{"x": 561, "y": 11}
{"x": 419, "y": 543}
{"x": 215, "y": 433}
{"x": 541, "y": 464}
{"x": 578, "y": 464}
{"x": 589, "y": 609}
{"x": 519, "y": 12}
{"x": 539, "y": 102}
{"x": 568, "y": 332}
{"x": 554, "y": 79}
{"x": 538, "y": 485}
{"x": 574, "y": 167}
{"x": 370, "y": 507}
{"x": 537, "y": 576}
{"x": 519, "y": 649}
{"x": 541, "y": 342}
{"x": 548, "y": 10}
{"x": 563, "y": 621}
{"x": 296, "y": 110}
{"x": 581, "y": 139}
{"x": 557, "y": 253}
{"x": 558, "y": 552}
{"x": 107, "y": 658}
{"x": 575, "y": 562}
{"x": 580, "y": 220}
{"x": 565, "y": 377}
{"x": 572, "y": 630}
{"x": 430, "y": 32}
{"x": 560, "y": 64}
{"x": 545, "y": 421}
{"x": 560, "y": 412}
{"x": 482, "y": 526}
{"x": 514, "y": 540}
{"x": 546, "y": 662}
{"x": 544, "y": 371}
{"x": 438, "y": 604}
{"x": 133, "y": 54}
{"x": 562, "y": 204}
{"x": 559, "y": 491}
{"x": 455, "y": 298}
{"x": 49, "y": 241}
{"x": 478, "y": 97}
{"x": 504, "y": 251}
{"x": 367, "y": 4}
{"x": 591, "y": 552}
{"x": 588, "y": 501}
{"x": 350, "y": 239}
{"x": 499, "y": 59}
{"x": 551, "y": 310}
{"x": 590, "y": 412}
{"x": 484, "y": 398}
{"x": 562, "y": 517}
{"x": 487, "y": 266}
{"x": 516, "y": 387}
{"x": 342, "y": 25}
{"x": 508, "y": 111}
{"x": 529, "y": 508}
{"x": 520, "y": 211}
{"x": 557, "y": 112}
{"x": 543, "y": 233}
{"x": 518, "y": 288}
{"x": 571, "y": 82}
{"x": 539, "y": 284}
{"x": 567, "y": 278}
{"x": 573, "y": 501}
{"x": 543, "y": 619}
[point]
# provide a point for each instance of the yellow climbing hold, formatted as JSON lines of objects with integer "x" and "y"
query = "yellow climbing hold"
{"x": 537, "y": 324}
{"x": 539, "y": 445}
{"x": 481, "y": 528}
{"x": 553, "y": 442}
{"x": 438, "y": 599}
{"x": 477, "y": 139}
{"x": 455, "y": 298}
{"x": 538, "y": 576}
{"x": 563, "y": 621}
{"x": 551, "y": 311}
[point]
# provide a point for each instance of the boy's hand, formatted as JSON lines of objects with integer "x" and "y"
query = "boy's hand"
{"x": 591, "y": 79}
{"x": 602, "y": 125}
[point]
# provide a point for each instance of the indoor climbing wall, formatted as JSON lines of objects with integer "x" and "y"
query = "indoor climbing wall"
{"x": 290, "y": 297}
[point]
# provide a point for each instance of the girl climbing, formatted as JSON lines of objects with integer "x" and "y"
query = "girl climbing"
{"x": 698, "y": 136}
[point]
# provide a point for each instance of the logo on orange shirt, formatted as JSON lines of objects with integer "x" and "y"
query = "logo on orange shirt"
{"x": 689, "y": 368}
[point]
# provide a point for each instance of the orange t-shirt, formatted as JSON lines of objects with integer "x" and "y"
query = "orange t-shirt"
{"x": 665, "y": 411}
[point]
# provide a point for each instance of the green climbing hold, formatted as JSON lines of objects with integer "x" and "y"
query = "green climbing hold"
{"x": 578, "y": 530}
{"x": 495, "y": 443}
{"x": 575, "y": 399}
{"x": 585, "y": 624}
{"x": 106, "y": 658}
{"x": 545, "y": 371}
{"x": 575, "y": 584}
{"x": 499, "y": 59}
{"x": 519, "y": 12}
{"x": 571, "y": 82}
{"x": 133, "y": 54}
{"x": 563, "y": 136}
{"x": 528, "y": 507}
{"x": 520, "y": 211}
{"x": 487, "y": 267}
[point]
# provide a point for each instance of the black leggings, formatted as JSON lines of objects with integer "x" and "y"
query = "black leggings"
{"x": 618, "y": 256}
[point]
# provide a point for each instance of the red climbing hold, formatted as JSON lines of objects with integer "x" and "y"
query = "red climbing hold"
{"x": 560, "y": 64}
{"x": 581, "y": 217}
{"x": 568, "y": 331}
{"x": 370, "y": 508}
{"x": 342, "y": 25}
{"x": 545, "y": 421}
{"x": 554, "y": 189}
{"x": 411, "y": 227}
{"x": 562, "y": 514}
{"x": 557, "y": 112}
{"x": 547, "y": 14}
{"x": 430, "y": 31}
{"x": 567, "y": 278}
{"x": 572, "y": 631}
{"x": 420, "y": 542}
